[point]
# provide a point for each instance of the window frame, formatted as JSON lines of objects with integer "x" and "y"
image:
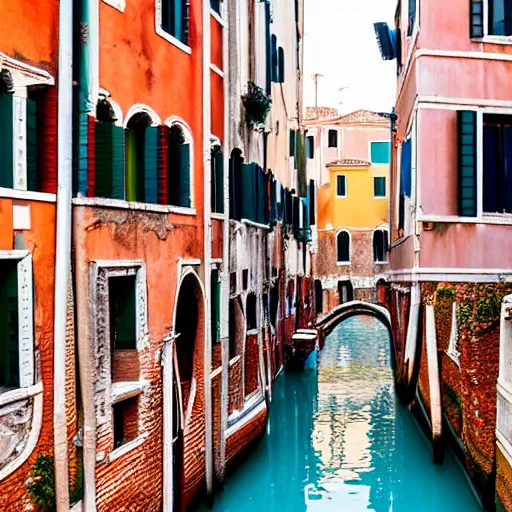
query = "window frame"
{"x": 329, "y": 131}
{"x": 341, "y": 263}
{"x": 385, "y": 235}
{"x": 26, "y": 324}
{"x": 162, "y": 33}
{"x": 344, "y": 176}
{"x": 487, "y": 37}
{"x": 386, "y": 141}
{"x": 310, "y": 144}
{"x": 375, "y": 196}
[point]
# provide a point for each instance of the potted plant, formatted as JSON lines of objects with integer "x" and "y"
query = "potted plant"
{"x": 257, "y": 106}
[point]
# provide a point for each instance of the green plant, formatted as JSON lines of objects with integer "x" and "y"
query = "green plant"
{"x": 41, "y": 483}
{"x": 257, "y": 106}
{"x": 488, "y": 310}
{"x": 463, "y": 312}
{"x": 446, "y": 292}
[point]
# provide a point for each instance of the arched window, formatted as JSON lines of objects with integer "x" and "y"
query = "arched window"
{"x": 251, "y": 316}
{"x": 343, "y": 247}
{"x": 235, "y": 184}
{"x": 141, "y": 174}
{"x": 380, "y": 246}
{"x": 217, "y": 174}
{"x": 109, "y": 153}
{"x": 333, "y": 139}
{"x": 179, "y": 165}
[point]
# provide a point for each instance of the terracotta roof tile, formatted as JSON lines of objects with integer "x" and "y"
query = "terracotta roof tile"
{"x": 320, "y": 113}
{"x": 358, "y": 117}
{"x": 349, "y": 162}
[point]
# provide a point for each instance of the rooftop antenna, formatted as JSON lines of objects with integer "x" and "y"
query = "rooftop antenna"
{"x": 316, "y": 77}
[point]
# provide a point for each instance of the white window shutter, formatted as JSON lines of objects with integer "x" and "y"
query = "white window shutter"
{"x": 20, "y": 143}
{"x": 26, "y": 321}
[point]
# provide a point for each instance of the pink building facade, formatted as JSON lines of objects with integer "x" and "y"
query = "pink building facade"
{"x": 451, "y": 226}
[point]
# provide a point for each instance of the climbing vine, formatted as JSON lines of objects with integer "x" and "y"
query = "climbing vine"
{"x": 41, "y": 483}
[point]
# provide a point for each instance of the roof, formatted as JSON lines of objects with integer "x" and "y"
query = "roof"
{"x": 349, "y": 162}
{"x": 353, "y": 118}
{"x": 320, "y": 113}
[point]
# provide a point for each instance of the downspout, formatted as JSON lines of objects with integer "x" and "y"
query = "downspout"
{"x": 224, "y": 326}
{"x": 207, "y": 247}
{"x": 63, "y": 249}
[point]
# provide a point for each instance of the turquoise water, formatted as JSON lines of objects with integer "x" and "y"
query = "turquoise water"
{"x": 338, "y": 440}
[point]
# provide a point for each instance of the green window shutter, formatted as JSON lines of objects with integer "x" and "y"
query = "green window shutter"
{"x": 280, "y": 58}
{"x": 103, "y": 159}
{"x": 184, "y": 176}
{"x": 6, "y": 140}
{"x": 268, "y": 47}
{"x": 341, "y": 186}
{"x": 380, "y": 152}
{"x": 151, "y": 165}
{"x": 9, "y": 330}
{"x": 247, "y": 201}
{"x": 31, "y": 145}
{"x": 467, "y": 161}
{"x": 476, "y": 20}
{"x": 275, "y": 60}
{"x": 379, "y": 187}
{"x": 219, "y": 183}
{"x": 123, "y": 330}
{"x": 293, "y": 141}
{"x": 311, "y": 200}
{"x": 215, "y": 305}
{"x": 178, "y": 19}
{"x": 117, "y": 162}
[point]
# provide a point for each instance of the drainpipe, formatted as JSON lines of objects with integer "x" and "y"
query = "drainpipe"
{"x": 207, "y": 247}
{"x": 224, "y": 317}
{"x": 63, "y": 250}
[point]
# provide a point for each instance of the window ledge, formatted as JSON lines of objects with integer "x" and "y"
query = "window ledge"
{"x": 217, "y": 70}
{"x": 235, "y": 360}
{"x": 120, "y": 5}
{"x": 252, "y": 332}
{"x": 28, "y": 195}
{"x": 341, "y": 197}
{"x": 218, "y": 216}
{"x": 19, "y": 394}
{"x": 379, "y": 197}
{"x": 121, "y": 204}
{"x": 343, "y": 263}
{"x": 173, "y": 40}
{"x": 504, "y": 40}
{"x": 127, "y": 447}
{"x": 381, "y": 262}
{"x": 124, "y": 390}
{"x": 504, "y": 219}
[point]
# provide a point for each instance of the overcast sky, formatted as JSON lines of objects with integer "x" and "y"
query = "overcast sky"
{"x": 340, "y": 44}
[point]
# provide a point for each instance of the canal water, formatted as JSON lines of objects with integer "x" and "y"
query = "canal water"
{"x": 338, "y": 440}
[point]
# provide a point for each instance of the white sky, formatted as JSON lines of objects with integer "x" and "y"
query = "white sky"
{"x": 340, "y": 44}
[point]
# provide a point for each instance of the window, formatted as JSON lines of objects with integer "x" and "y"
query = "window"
{"x": 215, "y": 5}
{"x": 333, "y": 139}
{"x": 16, "y": 324}
{"x": 319, "y": 296}
{"x": 232, "y": 282}
{"x": 217, "y": 181}
{"x": 281, "y": 68}
{"x": 293, "y": 142}
{"x": 251, "y": 315}
{"x": 141, "y": 159}
{"x": 18, "y": 143}
{"x": 499, "y": 16}
{"x": 235, "y": 184}
{"x": 275, "y": 58}
{"x": 215, "y": 305}
{"x": 345, "y": 291}
{"x": 245, "y": 279}
{"x": 379, "y": 152}
{"x": 379, "y": 186}
{"x": 175, "y": 19}
{"x": 109, "y": 158}
{"x": 310, "y": 146}
{"x": 343, "y": 247}
{"x": 125, "y": 421}
{"x": 123, "y": 332}
{"x": 380, "y": 246}
{"x": 341, "y": 186}
{"x": 179, "y": 166}
{"x": 412, "y": 17}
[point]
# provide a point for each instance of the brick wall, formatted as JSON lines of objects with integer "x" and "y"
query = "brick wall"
{"x": 251, "y": 363}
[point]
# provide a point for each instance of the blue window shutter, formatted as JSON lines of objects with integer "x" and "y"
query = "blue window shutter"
{"x": 178, "y": 19}
{"x": 406, "y": 168}
{"x": 275, "y": 60}
{"x": 151, "y": 164}
{"x": 103, "y": 159}
{"x": 6, "y": 140}
{"x": 467, "y": 160}
{"x": 476, "y": 20}
{"x": 380, "y": 152}
{"x": 311, "y": 200}
{"x": 184, "y": 176}
{"x": 117, "y": 162}
{"x": 31, "y": 145}
{"x": 268, "y": 43}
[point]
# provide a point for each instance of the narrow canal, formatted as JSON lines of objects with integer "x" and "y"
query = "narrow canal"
{"x": 338, "y": 440}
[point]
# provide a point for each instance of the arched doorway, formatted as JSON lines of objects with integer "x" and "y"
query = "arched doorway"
{"x": 188, "y": 402}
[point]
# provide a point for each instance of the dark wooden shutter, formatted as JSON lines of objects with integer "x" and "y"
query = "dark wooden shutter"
{"x": 217, "y": 182}
{"x": 6, "y": 140}
{"x": 281, "y": 64}
{"x": 261, "y": 198}
{"x": 163, "y": 165}
{"x": 151, "y": 164}
{"x": 184, "y": 176}
{"x": 293, "y": 140}
{"x": 312, "y": 202}
{"x": 467, "y": 155}
{"x": 246, "y": 207}
{"x": 123, "y": 312}
{"x": 9, "y": 329}
{"x": 215, "y": 305}
{"x": 275, "y": 60}
{"x": 103, "y": 159}
{"x": 31, "y": 145}
{"x": 268, "y": 44}
{"x": 117, "y": 161}
{"x": 476, "y": 18}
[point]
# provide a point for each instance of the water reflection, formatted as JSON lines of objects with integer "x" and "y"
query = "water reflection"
{"x": 338, "y": 440}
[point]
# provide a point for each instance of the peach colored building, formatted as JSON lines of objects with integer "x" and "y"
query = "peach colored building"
{"x": 451, "y": 232}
